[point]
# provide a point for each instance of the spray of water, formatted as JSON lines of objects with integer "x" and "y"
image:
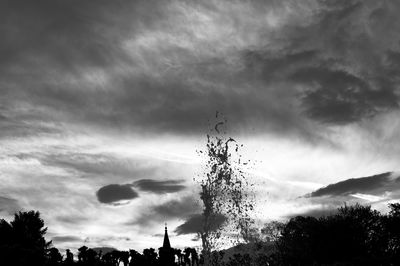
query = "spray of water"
{"x": 225, "y": 192}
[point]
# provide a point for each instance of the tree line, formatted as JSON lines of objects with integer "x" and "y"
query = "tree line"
{"x": 354, "y": 235}
{"x": 23, "y": 243}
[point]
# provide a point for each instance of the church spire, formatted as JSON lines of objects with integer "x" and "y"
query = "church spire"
{"x": 166, "y": 243}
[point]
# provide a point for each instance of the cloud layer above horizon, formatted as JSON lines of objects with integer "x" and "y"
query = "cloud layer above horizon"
{"x": 104, "y": 103}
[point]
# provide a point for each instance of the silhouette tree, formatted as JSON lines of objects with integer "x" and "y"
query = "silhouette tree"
{"x": 179, "y": 255}
{"x": 54, "y": 257}
{"x": 7, "y": 243}
{"x": 124, "y": 257}
{"x": 186, "y": 256}
{"x": 116, "y": 257}
{"x": 194, "y": 257}
{"x": 297, "y": 242}
{"x": 271, "y": 231}
{"x": 354, "y": 236}
{"x": 22, "y": 243}
{"x": 82, "y": 255}
{"x": 150, "y": 256}
{"x": 137, "y": 259}
{"x": 69, "y": 260}
{"x": 91, "y": 257}
{"x": 29, "y": 246}
{"x": 216, "y": 258}
{"x": 392, "y": 226}
{"x": 109, "y": 259}
{"x": 240, "y": 260}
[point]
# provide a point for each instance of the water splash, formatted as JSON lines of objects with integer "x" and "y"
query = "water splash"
{"x": 225, "y": 191}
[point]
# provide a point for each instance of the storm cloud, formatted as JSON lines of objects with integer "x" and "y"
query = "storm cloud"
{"x": 377, "y": 190}
{"x": 159, "y": 187}
{"x": 342, "y": 65}
{"x": 179, "y": 208}
{"x": 370, "y": 185}
{"x": 114, "y": 193}
{"x": 195, "y": 223}
{"x": 330, "y": 62}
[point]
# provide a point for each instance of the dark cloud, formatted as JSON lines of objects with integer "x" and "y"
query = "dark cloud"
{"x": 195, "y": 224}
{"x": 180, "y": 208}
{"x": 120, "y": 65}
{"x": 159, "y": 187}
{"x": 341, "y": 97}
{"x": 28, "y": 126}
{"x": 62, "y": 239}
{"x": 376, "y": 190}
{"x": 114, "y": 193}
{"x": 70, "y": 34}
{"x": 351, "y": 82}
{"x": 371, "y": 184}
{"x": 340, "y": 59}
{"x": 9, "y": 205}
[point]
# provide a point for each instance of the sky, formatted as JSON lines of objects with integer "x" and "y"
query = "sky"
{"x": 104, "y": 105}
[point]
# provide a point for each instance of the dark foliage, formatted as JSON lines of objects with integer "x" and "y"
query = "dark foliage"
{"x": 22, "y": 243}
{"x": 22, "y": 240}
{"x": 355, "y": 235}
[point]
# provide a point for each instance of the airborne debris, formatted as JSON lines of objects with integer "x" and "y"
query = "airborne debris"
{"x": 224, "y": 191}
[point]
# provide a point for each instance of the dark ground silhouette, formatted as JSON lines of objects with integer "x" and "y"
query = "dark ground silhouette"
{"x": 355, "y": 235}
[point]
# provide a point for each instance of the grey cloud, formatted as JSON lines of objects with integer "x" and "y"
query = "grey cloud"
{"x": 181, "y": 208}
{"x": 343, "y": 63}
{"x": 195, "y": 224}
{"x": 334, "y": 63}
{"x": 61, "y": 239}
{"x": 66, "y": 33}
{"x": 72, "y": 219}
{"x": 341, "y": 97}
{"x": 57, "y": 38}
{"x": 114, "y": 193}
{"x": 26, "y": 124}
{"x": 178, "y": 208}
{"x": 371, "y": 184}
{"x": 98, "y": 165}
{"x": 375, "y": 190}
{"x": 176, "y": 100}
{"x": 9, "y": 205}
{"x": 108, "y": 238}
{"x": 159, "y": 187}
{"x": 351, "y": 82}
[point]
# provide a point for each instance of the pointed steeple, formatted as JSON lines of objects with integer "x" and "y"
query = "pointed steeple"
{"x": 166, "y": 243}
